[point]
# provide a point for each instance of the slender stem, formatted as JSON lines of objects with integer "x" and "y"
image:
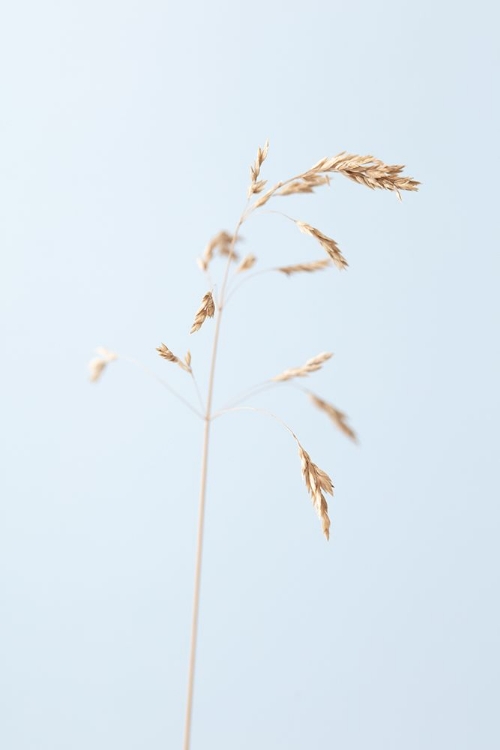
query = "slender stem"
{"x": 202, "y": 501}
{"x": 169, "y": 388}
{"x": 198, "y": 392}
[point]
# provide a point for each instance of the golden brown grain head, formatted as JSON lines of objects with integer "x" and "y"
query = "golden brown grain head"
{"x": 317, "y": 482}
{"x": 257, "y": 185}
{"x": 312, "y": 365}
{"x": 326, "y": 243}
{"x": 165, "y": 353}
{"x": 305, "y": 184}
{"x": 265, "y": 196}
{"x": 338, "y": 417}
{"x": 222, "y": 244}
{"x": 311, "y": 267}
{"x": 368, "y": 171}
{"x": 248, "y": 262}
{"x": 97, "y": 365}
{"x": 187, "y": 358}
{"x": 205, "y": 310}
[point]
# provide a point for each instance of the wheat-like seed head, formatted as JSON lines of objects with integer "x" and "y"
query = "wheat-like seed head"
{"x": 315, "y": 265}
{"x": 256, "y": 185}
{"x": 98, "y": 364}
{"x": 338, "y": 417}
{"x": 317, "y": 481}
{"x": 205, "y": 310}
{"x": 326, "y": 243}
{"x": 368, "y": 171}
{"x": 248, "y": 262}
{"x": 305, "y": 184}
{"x": 223, "y": 243}
{"x": 312, "y": 365}
{"x": 165, "y": 353}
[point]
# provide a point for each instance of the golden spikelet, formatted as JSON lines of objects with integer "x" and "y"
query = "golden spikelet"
{"x": 305, "y": 184}
{"x": 338, "y": 417}
{"x": 98, "y": 364}
{"x": 165, "y": 353}
{"x": 223, "y": 243}
{"x": 368, "y": 171}
{"x": 315, "y": 265}
{"x": 326, "y": 243}
{"x": 312, "y": 365}
{"x": 265, "y": 197}
{"x": 205, "y": 310}
{"x": 256, "y": 185}
{"x": 317, "y": 482}
{"x": 248, "y": 262}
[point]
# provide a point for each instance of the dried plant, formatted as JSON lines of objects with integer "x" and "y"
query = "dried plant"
{"x": 205, "y": 310}
{"x": 312, "y": 365}
{"x": 98, "y": 364}
{"x": 365, "y": 170}
{"x": 315, "y": 265}
{"x": 165, "y": 353}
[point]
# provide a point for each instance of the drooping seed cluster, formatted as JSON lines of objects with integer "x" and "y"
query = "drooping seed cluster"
{"x": 98, "y": 364}
{"x": 339, "y": 418}
{"x": 256, "y": 185}
{"x": 205, "y": 310}
{"x": 312, "y": 365}
{"x": 222, "y": 244}
{"x": 317, "y": 482}
{"x": 248, "y": 262}
{"x": 165, "y": 353}
{"x": 314, "y": 265}
{"x": 366, "y": 170}
{"x": 326, "y": 243}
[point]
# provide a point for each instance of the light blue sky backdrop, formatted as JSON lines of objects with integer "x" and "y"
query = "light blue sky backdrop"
{"x": 126, "y": 133}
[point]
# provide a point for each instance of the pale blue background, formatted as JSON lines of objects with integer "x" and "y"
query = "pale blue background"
{"x": 127, "y": 129}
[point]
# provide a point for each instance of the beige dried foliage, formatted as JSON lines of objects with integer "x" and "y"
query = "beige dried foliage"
{"x": 338, "y": 417}
{"x": 165, "y": 353}
{"x": 326, "y": 243}
{"x": 368, "y": 171}
{"x": 317, "y": 482}
{"x": 265, "y": 197}
{"x": 187, "y": 358}
{"x": 248, "y": 262}
{"x": 305, "y": 184}
{"x": 311, "y": 267}
{"x": 97, "y": 365}
{"x": 223, "y": 244}
{"x": 205, "y": 310}
{"x": 312, "y": 365}
{"x": 256, "y": 185}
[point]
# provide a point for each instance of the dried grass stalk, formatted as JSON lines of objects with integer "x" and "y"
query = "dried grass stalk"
{"x": 338, "y": 417}
{"x": 165, "y": 353}
{"x": 187, "y": 358}
{"x": 326, "y": 243}
{"x": 223, "y": 244}
{"x": 368, "y": 171}
{"x": 265, "y": 197}
{"x": 205, "y": 310}
{"x": 312, "y": 365}
{"x": 256, "y": 185}
{"x": 315, "y": 265}
{"x": 317, "y": 482}
{"x": 305, "y": 184}
{"x": 248, "y": 262}
{"x": 98, "y": 364}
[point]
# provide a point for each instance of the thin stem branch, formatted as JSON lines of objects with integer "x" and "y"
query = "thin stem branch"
{"x": 261, "y": 411}
{"x": 198, "y": 392}
{"x": 169, "y": 388}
